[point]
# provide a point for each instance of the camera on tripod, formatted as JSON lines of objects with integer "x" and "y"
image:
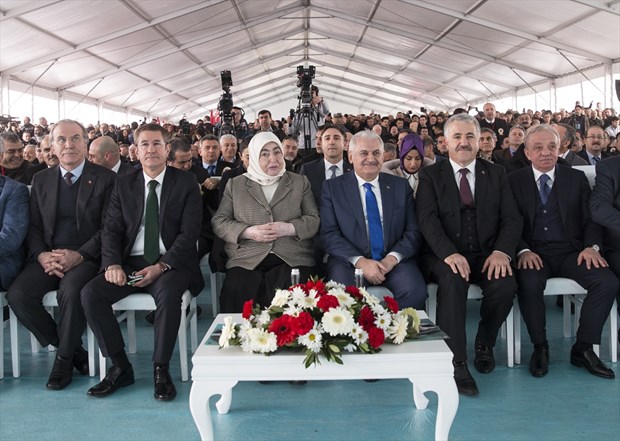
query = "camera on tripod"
{"x": 304, "y": 81}
{"x": 225, "y": 105}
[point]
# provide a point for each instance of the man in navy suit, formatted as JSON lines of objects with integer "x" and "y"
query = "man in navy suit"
{"x": 14, "y": 217}
{"x": 559, "y": 239}
{"x": 150, "y": 230}
{"x": 67, "y": 205}
{"x": 469, "y": 219}
{"x": 368, "y": 222}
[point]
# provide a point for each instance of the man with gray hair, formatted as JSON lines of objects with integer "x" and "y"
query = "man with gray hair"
{"x": 567, "y": 139}
{"x": 368, "y": 223}
{"x": 104, "y": 151}
{"x": 470, "y": 221}
{"x": 12, "y": 162}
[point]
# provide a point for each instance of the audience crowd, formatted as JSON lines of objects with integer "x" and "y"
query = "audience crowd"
{"x": 483, "y": 197}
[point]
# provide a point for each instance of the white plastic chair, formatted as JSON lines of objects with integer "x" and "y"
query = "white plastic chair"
{"x": 49, "y": 301}
{"x": 216, "y": 283}
{"x": 474, "y": 293}
{"x": 5, "y": 323}
{"x": 556, "y": 286}
{"x": 145, "y": 302}
{"x": 577, "y": 300}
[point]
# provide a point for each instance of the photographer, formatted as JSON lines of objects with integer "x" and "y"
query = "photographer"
{"x": 318, "y": 110}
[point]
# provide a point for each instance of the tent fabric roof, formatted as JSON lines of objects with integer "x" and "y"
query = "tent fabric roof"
{"x": 165, "y": 57}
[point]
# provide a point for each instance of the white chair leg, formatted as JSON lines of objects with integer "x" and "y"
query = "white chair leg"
{"x": 510, "y": 342}
{"x": 517, "y": 330}
{"x": 92, "y": 350}
{"x": 613, "y": 332}
{"x": 102, "y": 365}
{"x": 193, "y": 324}
{"x": 183, "y": 339}
{"x": 432, "y": 302}
{"x": 14, "y": 325}
{"x": 131, "y": 332}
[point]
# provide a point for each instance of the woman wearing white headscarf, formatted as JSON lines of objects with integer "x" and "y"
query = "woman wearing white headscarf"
{"x": 267, "y": 217}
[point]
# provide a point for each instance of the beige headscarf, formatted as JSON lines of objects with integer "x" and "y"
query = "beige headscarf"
{"x": 255, "y": 173}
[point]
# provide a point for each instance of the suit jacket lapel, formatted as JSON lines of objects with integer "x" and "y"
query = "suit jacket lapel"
{"x": 135, "y": 207}
{"x": 87, "y": 182}
{"x": 530, "y": 188}
{"x": 351, "y": 194}
{"x": 284, "y": 187}
{"x": 451, "y": 189}
{"x": 562, "y": 195}
{"x": 480, "y": 195}
{"x": 166, "y": 191}
{"x": 255, "y": 190}
{"x": 387, "y": 203}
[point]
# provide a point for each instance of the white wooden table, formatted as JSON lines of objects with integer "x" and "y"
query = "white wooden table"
{"x": 427, "y": 364}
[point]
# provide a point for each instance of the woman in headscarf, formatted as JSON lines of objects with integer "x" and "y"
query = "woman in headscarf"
{"x": 411, "y": 161}
{"x": 267, "y": 217}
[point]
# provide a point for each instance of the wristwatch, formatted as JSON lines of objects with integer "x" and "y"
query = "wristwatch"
{"x": 164, "y": 267}
{"x": 596, "y": 248}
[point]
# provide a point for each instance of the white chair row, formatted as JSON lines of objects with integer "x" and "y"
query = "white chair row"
{"x": 126, "y": 308}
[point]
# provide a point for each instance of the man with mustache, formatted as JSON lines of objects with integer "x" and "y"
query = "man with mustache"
{"x": 470, "y": 221}
{"x": 595, "y": 141}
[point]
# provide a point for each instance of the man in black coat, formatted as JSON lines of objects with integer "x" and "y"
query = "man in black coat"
{"x": 67, "y": 205}
{"x": 150, "y": 231}
{"x": 559, "y": 239}
{"x": 469, "y": 219}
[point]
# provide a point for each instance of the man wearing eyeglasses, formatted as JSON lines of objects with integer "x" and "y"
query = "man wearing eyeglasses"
{"x": 12, "y": 163}
{"x": 595, "y": 142}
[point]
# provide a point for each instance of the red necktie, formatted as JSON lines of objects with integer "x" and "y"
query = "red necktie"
{"x": 465, "y": 189}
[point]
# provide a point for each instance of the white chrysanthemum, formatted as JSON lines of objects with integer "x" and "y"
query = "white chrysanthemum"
{"x": 228, "y": 332}
{"x": 246, "y": 325}
{"x": 292, "y": 310}
{"x": 344, "y": 299}
{"x": 281, "y": 297}
{"x": 378, "y": 309}
{"x": 334, "y": 285}
{"x": 312, "y": 340}
{"x": 369, "y": 298}
{"x": 337, "y": 321}
{"x": 262, "y": 341}
{"x": 297, "y": 295}
{"x": 383, "y": 321}
{"x": 358, "y": 334}
{"x": 308, "y": 301}
{"x": 350, "y": 347}
{"x": 263, "y": 318}
{"x": 398, "y": 329}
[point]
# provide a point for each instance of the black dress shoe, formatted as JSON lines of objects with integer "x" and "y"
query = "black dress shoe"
{"x": 164, "y": 388}
{"x": 61, "y": 374}
{"x": 484, "y": 361}
{"x": 80, "y": 360}
{"x": 465, "y": 383}
{"x": 588, "y": 359}
{"x": 539, "y": 363}
{"x": 114, "y": 379}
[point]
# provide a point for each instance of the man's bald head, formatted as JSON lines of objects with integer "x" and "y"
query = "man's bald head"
{"x": 104, "y": 151}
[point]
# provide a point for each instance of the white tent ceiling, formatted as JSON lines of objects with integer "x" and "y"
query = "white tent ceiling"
{"x": 164, "y": 57}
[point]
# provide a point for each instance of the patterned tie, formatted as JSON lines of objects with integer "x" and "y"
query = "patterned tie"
{"x": 211, "y": 170}
{"x": 68, "y": 179}
{"x": 465, "y": 189}
{"x": 333, "y": 169}
{"x": 375, "y": 230}
{"x": 151, "y": 225}
{"x": 544, "y": 188}
{"x": 595, "y": 160}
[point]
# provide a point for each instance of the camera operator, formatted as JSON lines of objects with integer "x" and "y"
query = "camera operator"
{"x": 318, "y": 111}
{"x": 240, "y": 125}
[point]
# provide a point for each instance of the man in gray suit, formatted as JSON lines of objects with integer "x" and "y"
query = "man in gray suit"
{"x": 567, "y": 139}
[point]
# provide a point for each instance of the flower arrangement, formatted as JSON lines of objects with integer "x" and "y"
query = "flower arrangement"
{"x": 321, "y": 319}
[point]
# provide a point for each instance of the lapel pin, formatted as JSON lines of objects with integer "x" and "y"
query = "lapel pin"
{"x": 90, "y": 182}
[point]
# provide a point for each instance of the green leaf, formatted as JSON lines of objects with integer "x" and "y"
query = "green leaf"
{"x": 334, "y": 348}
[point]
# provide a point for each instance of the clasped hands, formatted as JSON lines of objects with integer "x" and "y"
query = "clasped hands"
{"x": 58, "y": 262}
{"x": 116, "y": 275}
{"x": 496, "y": 265}
{"x": 376, "y": 270}
{"x": 268, "y": 232}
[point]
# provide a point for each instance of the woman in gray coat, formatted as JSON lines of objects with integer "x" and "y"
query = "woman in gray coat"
{"x": 267, "y": 217}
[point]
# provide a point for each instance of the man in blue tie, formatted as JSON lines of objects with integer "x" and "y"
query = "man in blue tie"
{"x": 559, "y": 239}
{"x": 368, "y": 222}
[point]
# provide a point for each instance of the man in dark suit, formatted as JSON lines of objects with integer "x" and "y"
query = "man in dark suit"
{"x": 595, "y": 141}
{"x": 104, "y": 151}
{"x": 368, "y": 222}
{"x": 559, "y": 239}
{"x": 605, "y": 207}
{"x": 67, "y": 205}
{"x": 150, "y": 231}
{"x": 498, "y": 125}
{"x": 469, "y": 219}
{"x": 515, "y": 139}
{"x": 14, "y": 217}
{"x": 12, "y": 162}
{"x": 567, "y": 139}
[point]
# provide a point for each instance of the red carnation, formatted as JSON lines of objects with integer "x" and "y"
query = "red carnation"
{"x": 248, "y": 309}
{"x": 303, "y": 323}
{"x": 327, "y": 302}
{"x": 317, "y": 285}
{"x": 284, "y": 329}
{"x": 391, "y": 304}
{"x": 354, "y": 292}
{"x": 376, "y": 337}
{"x": 366, "y": 318}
